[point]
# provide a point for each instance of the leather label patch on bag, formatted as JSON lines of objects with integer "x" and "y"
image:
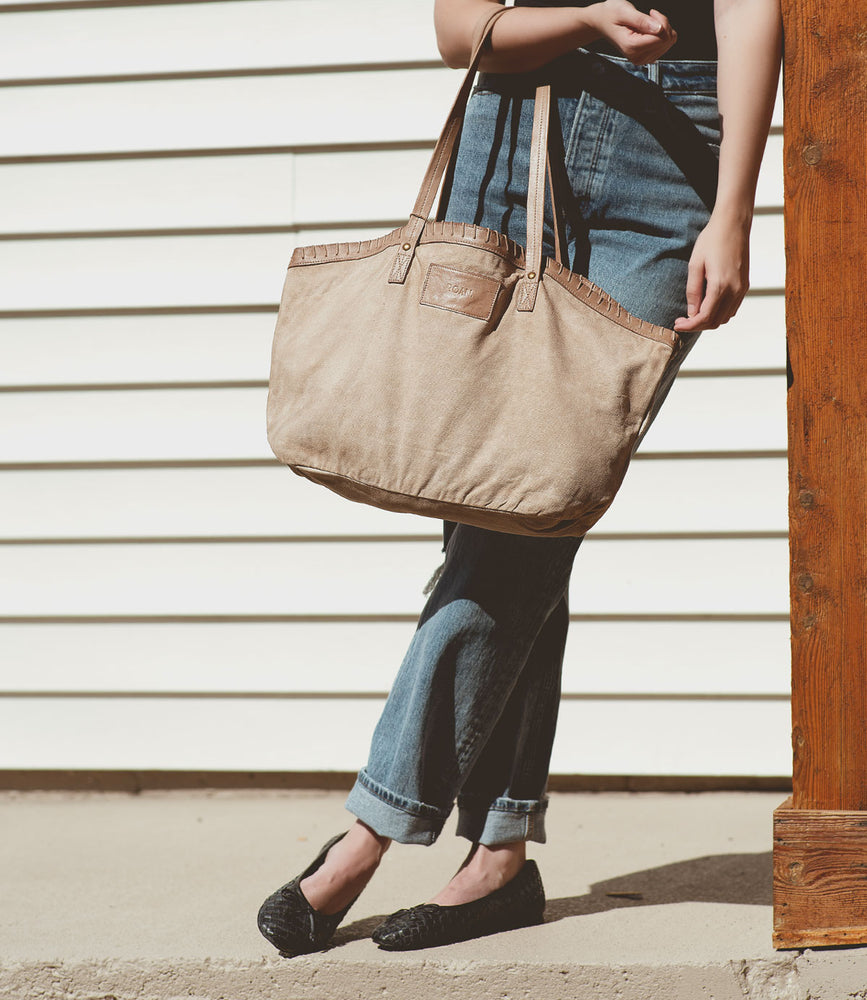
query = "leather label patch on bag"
{"x": 460, "y": 291}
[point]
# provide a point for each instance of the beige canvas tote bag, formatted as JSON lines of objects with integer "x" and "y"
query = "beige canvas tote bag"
{"x": 444, "y": 370}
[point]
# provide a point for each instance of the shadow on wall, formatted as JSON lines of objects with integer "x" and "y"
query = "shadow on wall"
{"x": 717, "y": 878}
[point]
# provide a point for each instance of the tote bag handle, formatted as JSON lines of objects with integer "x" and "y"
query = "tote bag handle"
{"x": 444, "y": 155}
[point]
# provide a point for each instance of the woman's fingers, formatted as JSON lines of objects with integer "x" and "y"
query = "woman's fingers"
{"x": 664, "y": 22}
{"x": 718, "y": 303}
{"x": 702, "y": 299}
{"x": 695, "y": 282}
{"x": 718, "y": 275}
{"x": 642, "y": 38}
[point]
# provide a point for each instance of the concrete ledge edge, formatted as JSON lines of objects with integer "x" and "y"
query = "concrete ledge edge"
{"x": 399, "y": 977}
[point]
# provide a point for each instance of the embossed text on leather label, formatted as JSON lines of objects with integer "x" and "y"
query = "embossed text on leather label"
{"x": 460, "y": 291}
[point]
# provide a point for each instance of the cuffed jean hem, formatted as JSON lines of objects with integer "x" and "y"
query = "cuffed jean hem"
{"x": 390, "y": 815}
{"x": 503, "y": 821}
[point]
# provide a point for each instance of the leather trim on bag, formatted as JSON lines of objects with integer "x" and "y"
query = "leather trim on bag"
{"x": 463, "y": 292}
{"x": 492, "y": 242}
{"x": 605, "y": 305}
{"x": 434, "y": 232}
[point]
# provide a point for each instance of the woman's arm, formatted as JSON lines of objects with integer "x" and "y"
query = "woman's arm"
{"x": 749, "y": 37}
{"x": 529, "y": 37}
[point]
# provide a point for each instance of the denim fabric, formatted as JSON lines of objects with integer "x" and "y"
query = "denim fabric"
{"x": 474, "y": 707}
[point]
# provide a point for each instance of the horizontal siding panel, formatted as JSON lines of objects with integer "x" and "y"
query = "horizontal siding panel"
{"x": 642, "y": 696}
{"x": 639, "y": 577}
{"x": 701, "y": 495}
{"x": 243, "y": 735}
{"x": 136, "y": 425}
{"x": 211, "y": 270}
{"x": 172, "y": 193}
{"x": 365, "y": 107}
{"x": 729, "y": 414}
{"x": 755, "y": 338}
{"x": 248, "y": 35}
{"x": 146, "y": 272}
{"x": 732, "y": 414}
{"x": 201, "y": 36}
{"x": 277, "y": 189}
{"x": 767, "y": 252}
{"x": 734, "y": 495}
{"x": 673, "y": 738}
{"x": 250, "y": 735}
{"x": 630, "y": 658}
{"x": 145, "y": 503}
{"x": 237, "y": 347}
{"x": 770, "y": 187}
{"x": 362, "y": 107}
{"x": 322, "y": 192}
{"x": 140, "y": 349}
{"x": 334, "y": 187}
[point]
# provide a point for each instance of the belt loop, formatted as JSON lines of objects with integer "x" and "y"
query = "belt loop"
{"x": 653, "y": 72}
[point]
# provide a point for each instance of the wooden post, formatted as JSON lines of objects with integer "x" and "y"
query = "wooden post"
{"x": 820, "y": 834}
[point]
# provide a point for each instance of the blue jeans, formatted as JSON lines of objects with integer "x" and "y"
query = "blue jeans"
{"x": 472, "y": 712}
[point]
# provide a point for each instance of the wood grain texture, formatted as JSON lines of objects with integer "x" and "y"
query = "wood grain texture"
{"x": 826, "y": 225}
{"x": 820, "y": 877}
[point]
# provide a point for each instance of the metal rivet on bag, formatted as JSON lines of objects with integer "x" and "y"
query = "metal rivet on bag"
{"x": 406, "y": 246}
{"x": 531, "y": 275}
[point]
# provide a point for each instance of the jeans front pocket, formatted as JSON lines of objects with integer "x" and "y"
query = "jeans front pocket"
{"x": 703, "y": 111}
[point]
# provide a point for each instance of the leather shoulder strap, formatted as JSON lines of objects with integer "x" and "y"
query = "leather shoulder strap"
{"x": 443, "y": 158}
{"x": 444, "y": 150}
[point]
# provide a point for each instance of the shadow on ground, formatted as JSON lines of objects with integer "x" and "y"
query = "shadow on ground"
{"x": 717, "y": 878}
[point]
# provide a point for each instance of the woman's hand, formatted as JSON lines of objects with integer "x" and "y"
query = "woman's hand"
{"x": 532, "y": 36}
{"x": 642, "y": 38}
{"x": 718, "y": 274}
{"x": 749, "y": 37}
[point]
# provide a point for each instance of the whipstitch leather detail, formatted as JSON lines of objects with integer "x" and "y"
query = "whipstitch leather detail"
{"x": 499, "y": 244}
{"x": 603, "y": 303}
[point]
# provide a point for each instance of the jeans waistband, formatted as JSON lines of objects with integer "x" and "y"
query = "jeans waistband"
{"x": 568, "y": 71}
{"x": 694, "y": 75}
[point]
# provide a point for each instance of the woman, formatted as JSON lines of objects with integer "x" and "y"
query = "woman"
{"x": 663, "y": 226}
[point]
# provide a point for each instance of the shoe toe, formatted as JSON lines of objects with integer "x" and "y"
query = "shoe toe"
{"x": 290, "y": 923}
{"x": 284, "y": 920}
{"x": 418, "y": 926}
{"x": 519, "y": 903}
{"x": 385, "y": 930}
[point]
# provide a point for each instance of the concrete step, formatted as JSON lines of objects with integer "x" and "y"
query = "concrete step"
{"x": 154, "y": 897}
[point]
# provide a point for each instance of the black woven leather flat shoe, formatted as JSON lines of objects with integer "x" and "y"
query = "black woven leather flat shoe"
{"x": 290, "y": 923}
{"x": 518, "y": 903}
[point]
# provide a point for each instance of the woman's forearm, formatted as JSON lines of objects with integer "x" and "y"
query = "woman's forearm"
{"x": 529, "y": 37}
{"x": 749, "y": 37}
{"x": 525, "y": 39}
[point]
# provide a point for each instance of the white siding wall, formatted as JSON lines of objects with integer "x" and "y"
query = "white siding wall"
{"x": 173, "y": 599}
